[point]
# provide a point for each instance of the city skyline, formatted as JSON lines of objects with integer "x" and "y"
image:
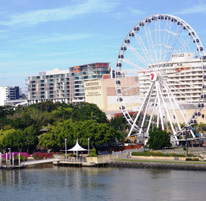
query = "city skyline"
{"x": 40, "y": 36}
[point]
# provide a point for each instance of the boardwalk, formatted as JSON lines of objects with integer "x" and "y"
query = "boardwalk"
{"x": 35, "y": 162}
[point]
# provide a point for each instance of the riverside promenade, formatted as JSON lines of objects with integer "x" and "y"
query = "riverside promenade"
{"x": 177, "y": 163}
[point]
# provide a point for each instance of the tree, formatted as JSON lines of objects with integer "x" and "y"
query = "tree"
{"x": 13, "y": 139}
{"x": 30, "y": 137}
{"x": 159, "y": 139}
{"x": 88, "y": 111}
{"x": 99, "y": 133}
{"x": 119, "y": 123}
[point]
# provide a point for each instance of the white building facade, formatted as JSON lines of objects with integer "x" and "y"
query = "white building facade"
{"x": 65, "y": 85}
{"x": 8, "y": 93}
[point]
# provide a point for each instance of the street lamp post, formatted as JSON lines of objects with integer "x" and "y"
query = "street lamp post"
{"x": 66, "y": 148}
{"x": 9, "y": 155}
{"x": 142, "y": 130}
{"x": 88, "y": 147}
{"x": 186, "y": 142}
{"x": 201, "y": 128}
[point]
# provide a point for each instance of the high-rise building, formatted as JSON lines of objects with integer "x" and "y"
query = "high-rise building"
{"x": 49, "y": 85}
{"x": 8, "y": 93}
{"x": 80, "y": 74}
{"x": 65, "y": 85}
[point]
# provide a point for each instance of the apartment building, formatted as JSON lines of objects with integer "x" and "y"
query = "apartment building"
{"x": 65, "y": 85}
{"x": 49, "y": 85}
{"x": 8, "y": 93}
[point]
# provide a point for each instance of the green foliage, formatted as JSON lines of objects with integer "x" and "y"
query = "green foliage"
{"x": 119, "y": 123}
{"x": 159, "y": 139}
{"x": 19, "y": 128}
{"x": 71, "y": 155}
{"x": 192, "y": 159}
{"x": 99, "y": 133}
{"x": 22, "y": 158}
{"x": 92, "y": 153}
{"x": 156, "y": 154}
{"x": 87, "y": 111}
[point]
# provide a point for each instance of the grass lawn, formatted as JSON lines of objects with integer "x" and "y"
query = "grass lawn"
{"x": 162, "y": 161}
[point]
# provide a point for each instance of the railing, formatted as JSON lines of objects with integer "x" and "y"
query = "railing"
{"x": 34, "y": 162}
{"x": 72, "y": 159}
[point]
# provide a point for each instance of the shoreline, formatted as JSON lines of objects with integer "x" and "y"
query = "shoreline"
{"x": 158, "y": 165}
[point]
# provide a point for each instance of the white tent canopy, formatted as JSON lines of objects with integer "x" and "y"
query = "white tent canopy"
{"x": 77, "y": 147}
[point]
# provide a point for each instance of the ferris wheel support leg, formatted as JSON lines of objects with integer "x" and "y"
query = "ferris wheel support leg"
{"x": 169, "y": 96}
{"x": 159, "y": 106}
{"x": 152, "y": 114}
{"x": 183, "y": 116}
{"x": 140, "y": 109}
{"x": 143, "y": 121}
{"x": 173, "y": 130}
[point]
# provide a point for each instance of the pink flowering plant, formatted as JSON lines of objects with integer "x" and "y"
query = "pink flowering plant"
{"x": 39, "y": 155}
{"x": 23, "y": 155}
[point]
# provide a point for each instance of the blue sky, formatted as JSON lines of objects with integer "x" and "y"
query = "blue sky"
{"x": 40, "y": 35}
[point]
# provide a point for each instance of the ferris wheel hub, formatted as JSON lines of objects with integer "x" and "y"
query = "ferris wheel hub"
{"x": 162, "y": 60}
{"x": 153, "y": 76}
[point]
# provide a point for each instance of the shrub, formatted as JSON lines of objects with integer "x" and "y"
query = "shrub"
{"x": 22, "y": 157}
{"x": 92, "y": 153}
{"x": 39, "y": 155}
{"x": 192, "y": 159}
{"x": 156, "y": 154}
{"x": 16, "y": 155}
{"x": 71, "y": 155}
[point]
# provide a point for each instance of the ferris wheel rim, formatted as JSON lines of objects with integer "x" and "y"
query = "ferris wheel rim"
{"x": 188, "y": 28}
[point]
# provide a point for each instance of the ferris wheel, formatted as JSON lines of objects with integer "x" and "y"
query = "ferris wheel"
{"x": 160, "y": 77}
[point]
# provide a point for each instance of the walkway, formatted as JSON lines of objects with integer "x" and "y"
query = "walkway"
{"x": 35, "y": 162}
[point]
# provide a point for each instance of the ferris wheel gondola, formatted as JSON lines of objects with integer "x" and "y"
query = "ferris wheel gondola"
{"x": 165, "y": 55}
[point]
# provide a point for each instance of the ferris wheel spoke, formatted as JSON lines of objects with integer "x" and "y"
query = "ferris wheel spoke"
{"x": 172, "y": 104}
{"x": 177, "y": 105}
{"x": 173, "y": 43}
{"x": 164, "y": 44}
{"x": 188, "y": 99}
{"x": 185, "y": 45}
{"x": 137, "y": 55}
{"x": 143, "y": 48}
{"x": 159, "y": 46}
{"x": 169, "y": 48}
{"x": 190, "y": 85}
{"x": 151, "y": 116}
{"x": 140, "y": 109}
{"x": 167, "y": 112}
{"x": 156, "y": 49}
{"x": 145, "y": 112}
{"x": 180, "y": 110}
{"x": 166, "y": 54}
{"x": 159, "y": 106}
{"x": 132, "y": 64}
{"x": 130, "y": 88}
{"x": 149, "y": 43}
{"x": 169, "y": 33}
{"x": 153, "y": 45}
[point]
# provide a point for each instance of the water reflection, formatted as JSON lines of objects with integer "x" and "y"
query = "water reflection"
{"x": 70, "y": 183}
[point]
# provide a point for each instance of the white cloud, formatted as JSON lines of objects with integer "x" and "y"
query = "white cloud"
{"x": 63, "y": 37}
{"x": 201, "y": 8}
{"x": 59, "y": 14}
{"x": 136, "y": 11}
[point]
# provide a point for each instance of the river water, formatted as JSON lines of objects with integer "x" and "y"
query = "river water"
{"x": 52, "y": 183}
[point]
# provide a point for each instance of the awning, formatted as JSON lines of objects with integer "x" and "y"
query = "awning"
{"x": 77, "y": 147}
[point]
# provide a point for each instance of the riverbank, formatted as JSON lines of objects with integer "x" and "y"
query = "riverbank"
{"x": 128, "y": 163}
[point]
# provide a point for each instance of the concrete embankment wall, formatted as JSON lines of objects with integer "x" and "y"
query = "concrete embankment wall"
{"x": 158, "y": 165}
